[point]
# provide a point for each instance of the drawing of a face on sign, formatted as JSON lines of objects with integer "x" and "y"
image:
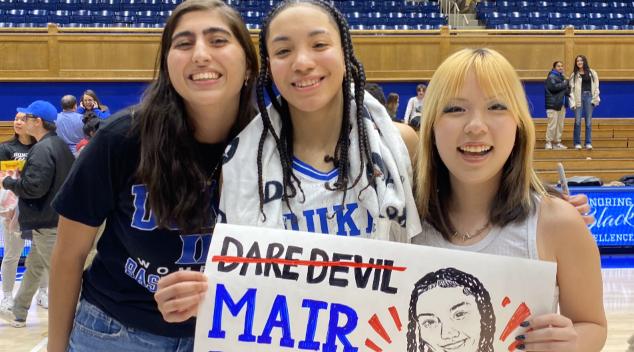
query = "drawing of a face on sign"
{"x": 450, "y": 310}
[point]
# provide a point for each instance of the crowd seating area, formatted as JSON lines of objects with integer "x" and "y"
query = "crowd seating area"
{"x": 374, "y": 15}
{"x": 589, "y": 15}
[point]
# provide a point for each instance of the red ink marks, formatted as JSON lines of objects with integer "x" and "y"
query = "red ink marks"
{"x": 375, "y": 323}
{"x": 395, "y": 317}
{"x": 505, "y": 302}
{"x": 521, "y": 313}
{"x": 371, "y": 345}
{"x": 230, "y": 259}
{"x": 513, "y": 346}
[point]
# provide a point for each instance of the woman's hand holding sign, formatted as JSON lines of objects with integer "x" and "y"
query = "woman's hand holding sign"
{"x": 549, "y": 332}
{"x": 179, "y": 295}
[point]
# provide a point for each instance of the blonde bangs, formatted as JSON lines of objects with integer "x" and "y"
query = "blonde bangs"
{"x": 497, "y": 78}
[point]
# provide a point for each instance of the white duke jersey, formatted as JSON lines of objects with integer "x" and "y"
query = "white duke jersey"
{"x": 321, "y": 209}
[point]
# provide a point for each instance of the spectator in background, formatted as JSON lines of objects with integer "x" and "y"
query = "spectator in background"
{"x": 556, "y": 90}
{"x": 415, "y": 107}
{"x": 90, "y": 102}
{"x": 46, "y": 167}
{"x": 90, "y": 128}
{"x": 69, "y": 123}
{"x": 376, "y": 91}
{"x": 584, "y": 97}
{"x": 392, "y": 106}
{"x": 17, "y": 148}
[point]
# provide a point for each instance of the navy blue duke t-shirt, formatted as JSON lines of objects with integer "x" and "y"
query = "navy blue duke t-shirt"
{"x": 132, "y": 253}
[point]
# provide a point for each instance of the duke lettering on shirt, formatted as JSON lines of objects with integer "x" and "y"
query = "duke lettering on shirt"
{"x": 193, "y": 251}
{"x": 344, "y": 218}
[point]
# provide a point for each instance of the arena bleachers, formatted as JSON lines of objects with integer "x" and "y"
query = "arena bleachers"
{"x": 609, "y": 15}
{"x": 611, "y": 158}
{"x": 361, "y": 15}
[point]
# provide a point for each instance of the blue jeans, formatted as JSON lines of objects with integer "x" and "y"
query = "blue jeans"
{"x": 94, "y": 330}
{"x": 587, "y": 107}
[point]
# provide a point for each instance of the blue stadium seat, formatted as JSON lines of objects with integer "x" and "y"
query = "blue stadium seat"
{"x": 81, "y": 16}
{"x": 630, "y": 17}
{"x": 68, "y": 5}
{"x": 15, "y": 15}
{"x": 24, "y": 4}
{"x": 137, "y": 5}
{"x": 525, "y": 6}
{"x": 506, "y": 6}
{"x": 29, "y": 25}
{"x": 495, "y": 19}
{"x": 549, "y": 27}
{"x": 617, "y": 19}
{"x": 543, "y": 6}
{"x": 597, "y": 19}
{"x": 591, "y": 27}
{"x": 103, "y": 16}
{"x": 517, "y": 18}
{"x": 563, "y": 7}
{"x": 124, "y": 16}
{"x": 602, "y": 7}
{"x": 428, "y": 6}
{"x": 6, "y": 5}
{"x": 146, "y": 17}
{"x": 169, "y": 5}
{"x": 579, "y": 5}
{"x": 435, "y": 19}
{"x": 59, "y": 16}
{"x": 508, "y": 26}
{"x": 537, "y": 18}
{"x": 148, "y": 25}
{"x": 38, "y": 16}
{"x": 556, "y": 18}
{"x": 577, "y": 19}
{"x": 108, "y": 5}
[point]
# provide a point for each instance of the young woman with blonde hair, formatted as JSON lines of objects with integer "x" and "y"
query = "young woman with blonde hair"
{"x": 477, "y": 191}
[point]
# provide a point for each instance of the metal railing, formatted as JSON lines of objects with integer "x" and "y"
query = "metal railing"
{"x": 451, "y": 9}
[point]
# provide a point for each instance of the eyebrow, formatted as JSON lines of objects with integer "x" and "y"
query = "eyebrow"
{"x": 284, "y": 38}
{"x": 210, "y": 30}
{"x": 459, "y": 305}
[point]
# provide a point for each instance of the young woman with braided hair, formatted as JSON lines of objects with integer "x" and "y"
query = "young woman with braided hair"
{"x": 311, "y": 161}
{"x": 329, "y": 159}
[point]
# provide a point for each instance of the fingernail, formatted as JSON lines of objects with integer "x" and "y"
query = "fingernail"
{"x": 525, "y": 324}
{"x": 520, "y": 337}
{"x": 521, "y": 347}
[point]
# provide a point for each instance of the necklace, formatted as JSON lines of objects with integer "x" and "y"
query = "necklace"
{"x": 467, "y": 236}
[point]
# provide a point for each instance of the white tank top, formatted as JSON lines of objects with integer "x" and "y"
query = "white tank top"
{"x": 518, "y": 239}
{"x": 513, "y": 240}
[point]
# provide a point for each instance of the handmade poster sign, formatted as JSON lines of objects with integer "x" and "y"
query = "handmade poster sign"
{"x": 276, "y": 290}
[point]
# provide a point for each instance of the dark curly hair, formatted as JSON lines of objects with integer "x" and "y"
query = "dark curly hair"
{"x": 471, "y": 286}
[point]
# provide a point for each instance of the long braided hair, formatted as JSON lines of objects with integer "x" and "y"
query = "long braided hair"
{"x": 284, "y": 141}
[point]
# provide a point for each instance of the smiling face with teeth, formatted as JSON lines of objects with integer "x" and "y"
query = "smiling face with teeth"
{"x": 306, "y": 58}
{"x": 207, "y": 66}
{"x": 475, "y": 135}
